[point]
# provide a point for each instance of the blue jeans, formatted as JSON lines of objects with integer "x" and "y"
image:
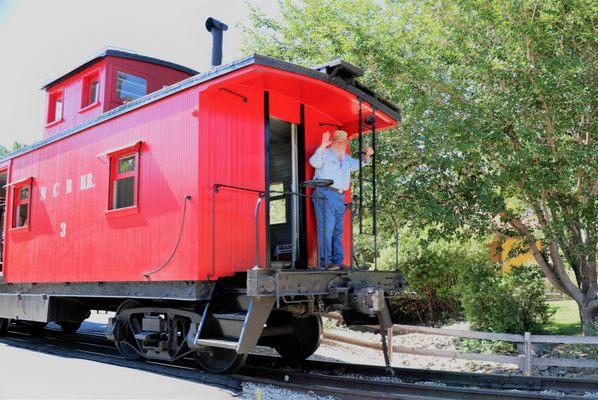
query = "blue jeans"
{"x": 329, "y": 207}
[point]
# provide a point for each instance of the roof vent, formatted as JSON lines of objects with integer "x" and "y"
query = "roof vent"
{"x": 340, "y": 70}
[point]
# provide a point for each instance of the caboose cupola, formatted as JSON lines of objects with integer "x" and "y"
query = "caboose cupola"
{"x": 105, "y": 81}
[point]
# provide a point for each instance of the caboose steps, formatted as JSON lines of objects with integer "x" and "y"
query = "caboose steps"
{"x": 230, "y": 316}
{"x": 230, "y": 324}
{"x": 244, "y": 329}
{"x": 220, "y": 343}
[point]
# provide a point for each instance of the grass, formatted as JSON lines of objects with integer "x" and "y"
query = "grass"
{"x": 565, "y": 320}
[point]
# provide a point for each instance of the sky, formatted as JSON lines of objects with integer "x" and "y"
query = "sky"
{"x": 43, "y": 39}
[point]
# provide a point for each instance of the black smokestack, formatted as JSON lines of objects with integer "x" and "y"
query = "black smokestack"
{"x": 216, "y": 27}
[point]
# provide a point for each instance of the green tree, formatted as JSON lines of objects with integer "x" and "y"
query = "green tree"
{"x": 15, "y": 146}
{"x": 499, "y": 128}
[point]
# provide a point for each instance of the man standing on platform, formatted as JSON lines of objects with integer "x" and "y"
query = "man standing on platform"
{"x": 331, "y": 161}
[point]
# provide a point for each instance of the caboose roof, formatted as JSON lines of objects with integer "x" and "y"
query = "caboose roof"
{"x": 110, "y": 52}
{"x": 358, "y": 90}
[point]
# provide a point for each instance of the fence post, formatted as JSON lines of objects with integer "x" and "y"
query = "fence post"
{"x": 528, "y": 353}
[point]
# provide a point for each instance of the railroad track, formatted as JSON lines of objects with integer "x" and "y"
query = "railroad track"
{"x": 351, "y": 381}
{"x": 449, "y": 378}
{"x": 346, "y": 381}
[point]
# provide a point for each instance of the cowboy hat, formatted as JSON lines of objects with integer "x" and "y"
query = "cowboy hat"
{"x": 338, "y": 136}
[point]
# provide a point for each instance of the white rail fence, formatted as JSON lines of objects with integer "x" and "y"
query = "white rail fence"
{"x": 525, "y": 361}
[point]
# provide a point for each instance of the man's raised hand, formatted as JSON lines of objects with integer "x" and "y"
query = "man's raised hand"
{"x": 325, "y": 139}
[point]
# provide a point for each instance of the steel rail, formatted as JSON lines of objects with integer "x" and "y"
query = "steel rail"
{"x": 451, "y": 378}
{"x": 320, "y": 376}
{"x": 358, "y": 388}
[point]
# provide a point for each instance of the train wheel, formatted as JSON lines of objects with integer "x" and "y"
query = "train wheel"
{"x": 4, "y": 323}
{"x": 304, "y": 342}
{"x": 220, "y": 361}
{"x": 124, "y": 333}
{"x": 70, "y": 327}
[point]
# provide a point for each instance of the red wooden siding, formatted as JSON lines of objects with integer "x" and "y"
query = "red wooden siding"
{"x": 111, "y": 247}
{"x": 231, "y": 149}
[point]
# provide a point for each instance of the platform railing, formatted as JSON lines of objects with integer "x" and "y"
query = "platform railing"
{"x": 395, "y": 226}
{"x": 261, "y": 196}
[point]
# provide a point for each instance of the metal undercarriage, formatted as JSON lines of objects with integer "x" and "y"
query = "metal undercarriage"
{"x": 221, "y": 322}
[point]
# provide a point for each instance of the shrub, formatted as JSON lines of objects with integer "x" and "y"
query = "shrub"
{"x": 431, "y": 270}
{"x": 504, "y": 302}
{"x": 433, "y": 276}
{"x": 451, "y": 279}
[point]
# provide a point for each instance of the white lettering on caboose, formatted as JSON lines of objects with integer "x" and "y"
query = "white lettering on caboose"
{"x": 86, "y": 182}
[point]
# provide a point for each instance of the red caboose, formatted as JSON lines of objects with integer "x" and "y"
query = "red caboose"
{"x": 177, "y": 200}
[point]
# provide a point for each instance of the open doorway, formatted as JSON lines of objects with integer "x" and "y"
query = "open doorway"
{"x": 284, "y": 208}
{"x": 3, "y": 182}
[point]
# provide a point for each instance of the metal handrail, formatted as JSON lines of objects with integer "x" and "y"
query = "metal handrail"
{"x": 260, "y": 199}
{"x": 396, "y": 234}
{"x": 284, "y": 192}
{"x": 221, "y": 185}
{"x": 261, "y": 196}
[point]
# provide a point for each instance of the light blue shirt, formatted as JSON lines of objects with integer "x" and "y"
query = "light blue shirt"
{"x": 329, "y": 166}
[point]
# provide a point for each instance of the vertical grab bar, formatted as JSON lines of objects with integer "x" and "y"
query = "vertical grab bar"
{"x": 360, "y": 141}
{"x": 321, "y": 238}
{"x": 374, "y": 206}
{"x": 260, "y": 199}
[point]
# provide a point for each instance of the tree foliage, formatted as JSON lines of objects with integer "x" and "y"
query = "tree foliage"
{"x": 15, "y": 146}
{"x": 498, "y": 302}
{"x": 499, "y": 128}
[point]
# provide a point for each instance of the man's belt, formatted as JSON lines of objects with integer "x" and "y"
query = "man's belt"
{"x": 336, "y": 190}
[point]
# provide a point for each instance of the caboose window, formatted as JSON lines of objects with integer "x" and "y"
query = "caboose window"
{"x": 130, "y": 87}
{"x": 124, "y": 176}
{"x": 55, "y": 107}
{"x": 21, "y": 207}
{"x": 91, "y": 90}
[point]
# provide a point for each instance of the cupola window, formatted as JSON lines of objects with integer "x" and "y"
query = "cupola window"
{"x": 130, "y": 87}
{"x": 55, "y": 106}
{"x": 91, "y": 90}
